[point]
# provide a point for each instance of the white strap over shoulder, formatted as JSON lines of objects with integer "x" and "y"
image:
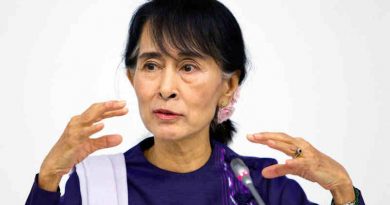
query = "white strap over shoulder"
{"x": 103, "y": 180}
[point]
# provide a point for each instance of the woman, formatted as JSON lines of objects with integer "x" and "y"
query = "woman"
{"x": 186, "y": 60}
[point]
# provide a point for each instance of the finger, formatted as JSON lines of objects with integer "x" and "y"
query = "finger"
{"x": 286, "y": 148}
{"x": 88, "y": 131}
{"x": 276, "y": 170}
{"x": 95, "y": 111}
{"x": 292, "y": 166}
{"x": 106, "y": 141}
{"x": 296, "y": 163}
{"x": 296, "y": 166}
{"x": 277, "y": 136}
{"x": 114, "y": 113}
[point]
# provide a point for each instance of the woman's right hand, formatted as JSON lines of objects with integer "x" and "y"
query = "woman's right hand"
{"x": 74, "y": 145}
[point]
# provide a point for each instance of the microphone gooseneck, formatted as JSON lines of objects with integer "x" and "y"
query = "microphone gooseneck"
{"x": 241, "y": 171}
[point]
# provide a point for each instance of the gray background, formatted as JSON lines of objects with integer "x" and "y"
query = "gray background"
{"x": 319, "y": 70}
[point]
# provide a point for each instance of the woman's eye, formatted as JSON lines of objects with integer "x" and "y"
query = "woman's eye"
{"x": 150, "y": 66}
{"x": 189, "y": 68}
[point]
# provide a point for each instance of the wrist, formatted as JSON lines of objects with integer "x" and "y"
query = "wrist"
{"x": 48, "y": 182}
{"x": 343, "y": 194}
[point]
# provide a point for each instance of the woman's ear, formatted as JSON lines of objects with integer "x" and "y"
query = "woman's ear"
{"x": 130, "y": 75}
{"x": 231, "y": 85}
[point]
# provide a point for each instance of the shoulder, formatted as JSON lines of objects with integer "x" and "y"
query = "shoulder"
{"x": 93, "y": 162}
{"x": 135, "y": 153}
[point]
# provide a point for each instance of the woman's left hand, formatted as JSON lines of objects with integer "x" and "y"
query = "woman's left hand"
{"x": 311, "y": 164}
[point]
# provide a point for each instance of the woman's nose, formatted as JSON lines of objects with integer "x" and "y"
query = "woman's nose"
{"x": 168, "y": 85}
{"x": 167, "y": 97}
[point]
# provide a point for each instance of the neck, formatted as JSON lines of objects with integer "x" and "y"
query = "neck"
{"x": 181, "y": 156}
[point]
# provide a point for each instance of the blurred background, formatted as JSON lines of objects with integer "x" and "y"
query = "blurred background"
{"x": 319, "y": 70}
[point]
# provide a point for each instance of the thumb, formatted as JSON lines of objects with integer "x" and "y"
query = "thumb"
{"x": 276, "y": 170}
{"x": 106, "y": 141}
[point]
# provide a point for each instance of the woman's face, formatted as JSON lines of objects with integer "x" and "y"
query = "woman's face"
{"x": 177, "y": 93}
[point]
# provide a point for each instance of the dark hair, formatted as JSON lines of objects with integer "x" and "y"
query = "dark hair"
{"x": 192, "y": 26}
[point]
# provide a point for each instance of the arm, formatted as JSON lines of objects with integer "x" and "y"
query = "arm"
{"x": 39, "y": 196}
{"x": 73, "y": 146}
{"x": 358, "y": 198}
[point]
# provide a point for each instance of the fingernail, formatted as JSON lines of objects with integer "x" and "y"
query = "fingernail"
{"x": 259, "y": 135}
{"x": 122, "y": 102}
{"x": 250, "y": 137}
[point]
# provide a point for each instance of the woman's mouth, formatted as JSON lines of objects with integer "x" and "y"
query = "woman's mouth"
{"x": 165, "y": 114}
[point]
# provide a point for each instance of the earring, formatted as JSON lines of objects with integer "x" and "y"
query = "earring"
{"x": 224, "y": 103}
{"x": 225, "y": 110}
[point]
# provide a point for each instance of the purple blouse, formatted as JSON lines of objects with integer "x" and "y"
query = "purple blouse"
{"x": 213, "y": 183}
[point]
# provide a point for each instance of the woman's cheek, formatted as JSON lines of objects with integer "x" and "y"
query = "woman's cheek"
{"x": 205, "y": 106}
{"x": 143, "y": 93}
{"x": 144, "y": 89}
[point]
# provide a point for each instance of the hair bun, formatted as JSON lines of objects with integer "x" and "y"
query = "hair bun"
{"x": 223, "y": 132}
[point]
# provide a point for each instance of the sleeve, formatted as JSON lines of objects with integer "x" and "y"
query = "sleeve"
{"x": 358, "y": 197}
{"x": 72, "y": 194}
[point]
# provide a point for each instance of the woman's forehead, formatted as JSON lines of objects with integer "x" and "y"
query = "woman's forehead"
{"x": 148, "y": 46}
{"x": 147, "y": 42}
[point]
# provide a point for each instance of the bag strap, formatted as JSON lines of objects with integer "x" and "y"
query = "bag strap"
{"x": 103, "y": 180}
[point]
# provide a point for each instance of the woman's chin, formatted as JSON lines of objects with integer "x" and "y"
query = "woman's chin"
{"x": 167, "y": 135}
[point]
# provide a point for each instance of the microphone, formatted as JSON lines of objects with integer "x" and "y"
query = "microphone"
{"x": 242, "y": 173}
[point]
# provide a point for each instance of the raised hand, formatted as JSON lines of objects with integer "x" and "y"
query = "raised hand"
{"x": 75, "y": 143}
{"x": 308, "y": 163}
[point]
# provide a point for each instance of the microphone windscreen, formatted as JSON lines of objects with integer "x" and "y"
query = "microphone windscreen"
{"x": 239, "y": 168}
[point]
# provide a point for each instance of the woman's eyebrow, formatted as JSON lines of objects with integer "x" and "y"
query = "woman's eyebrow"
{"x": 183, "y": 54}
{"x": 191, "y": 55}
{"x": 148, "y": 55}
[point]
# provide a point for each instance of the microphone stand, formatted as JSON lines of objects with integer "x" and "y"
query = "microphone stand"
{"x": 242, "y": 173}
